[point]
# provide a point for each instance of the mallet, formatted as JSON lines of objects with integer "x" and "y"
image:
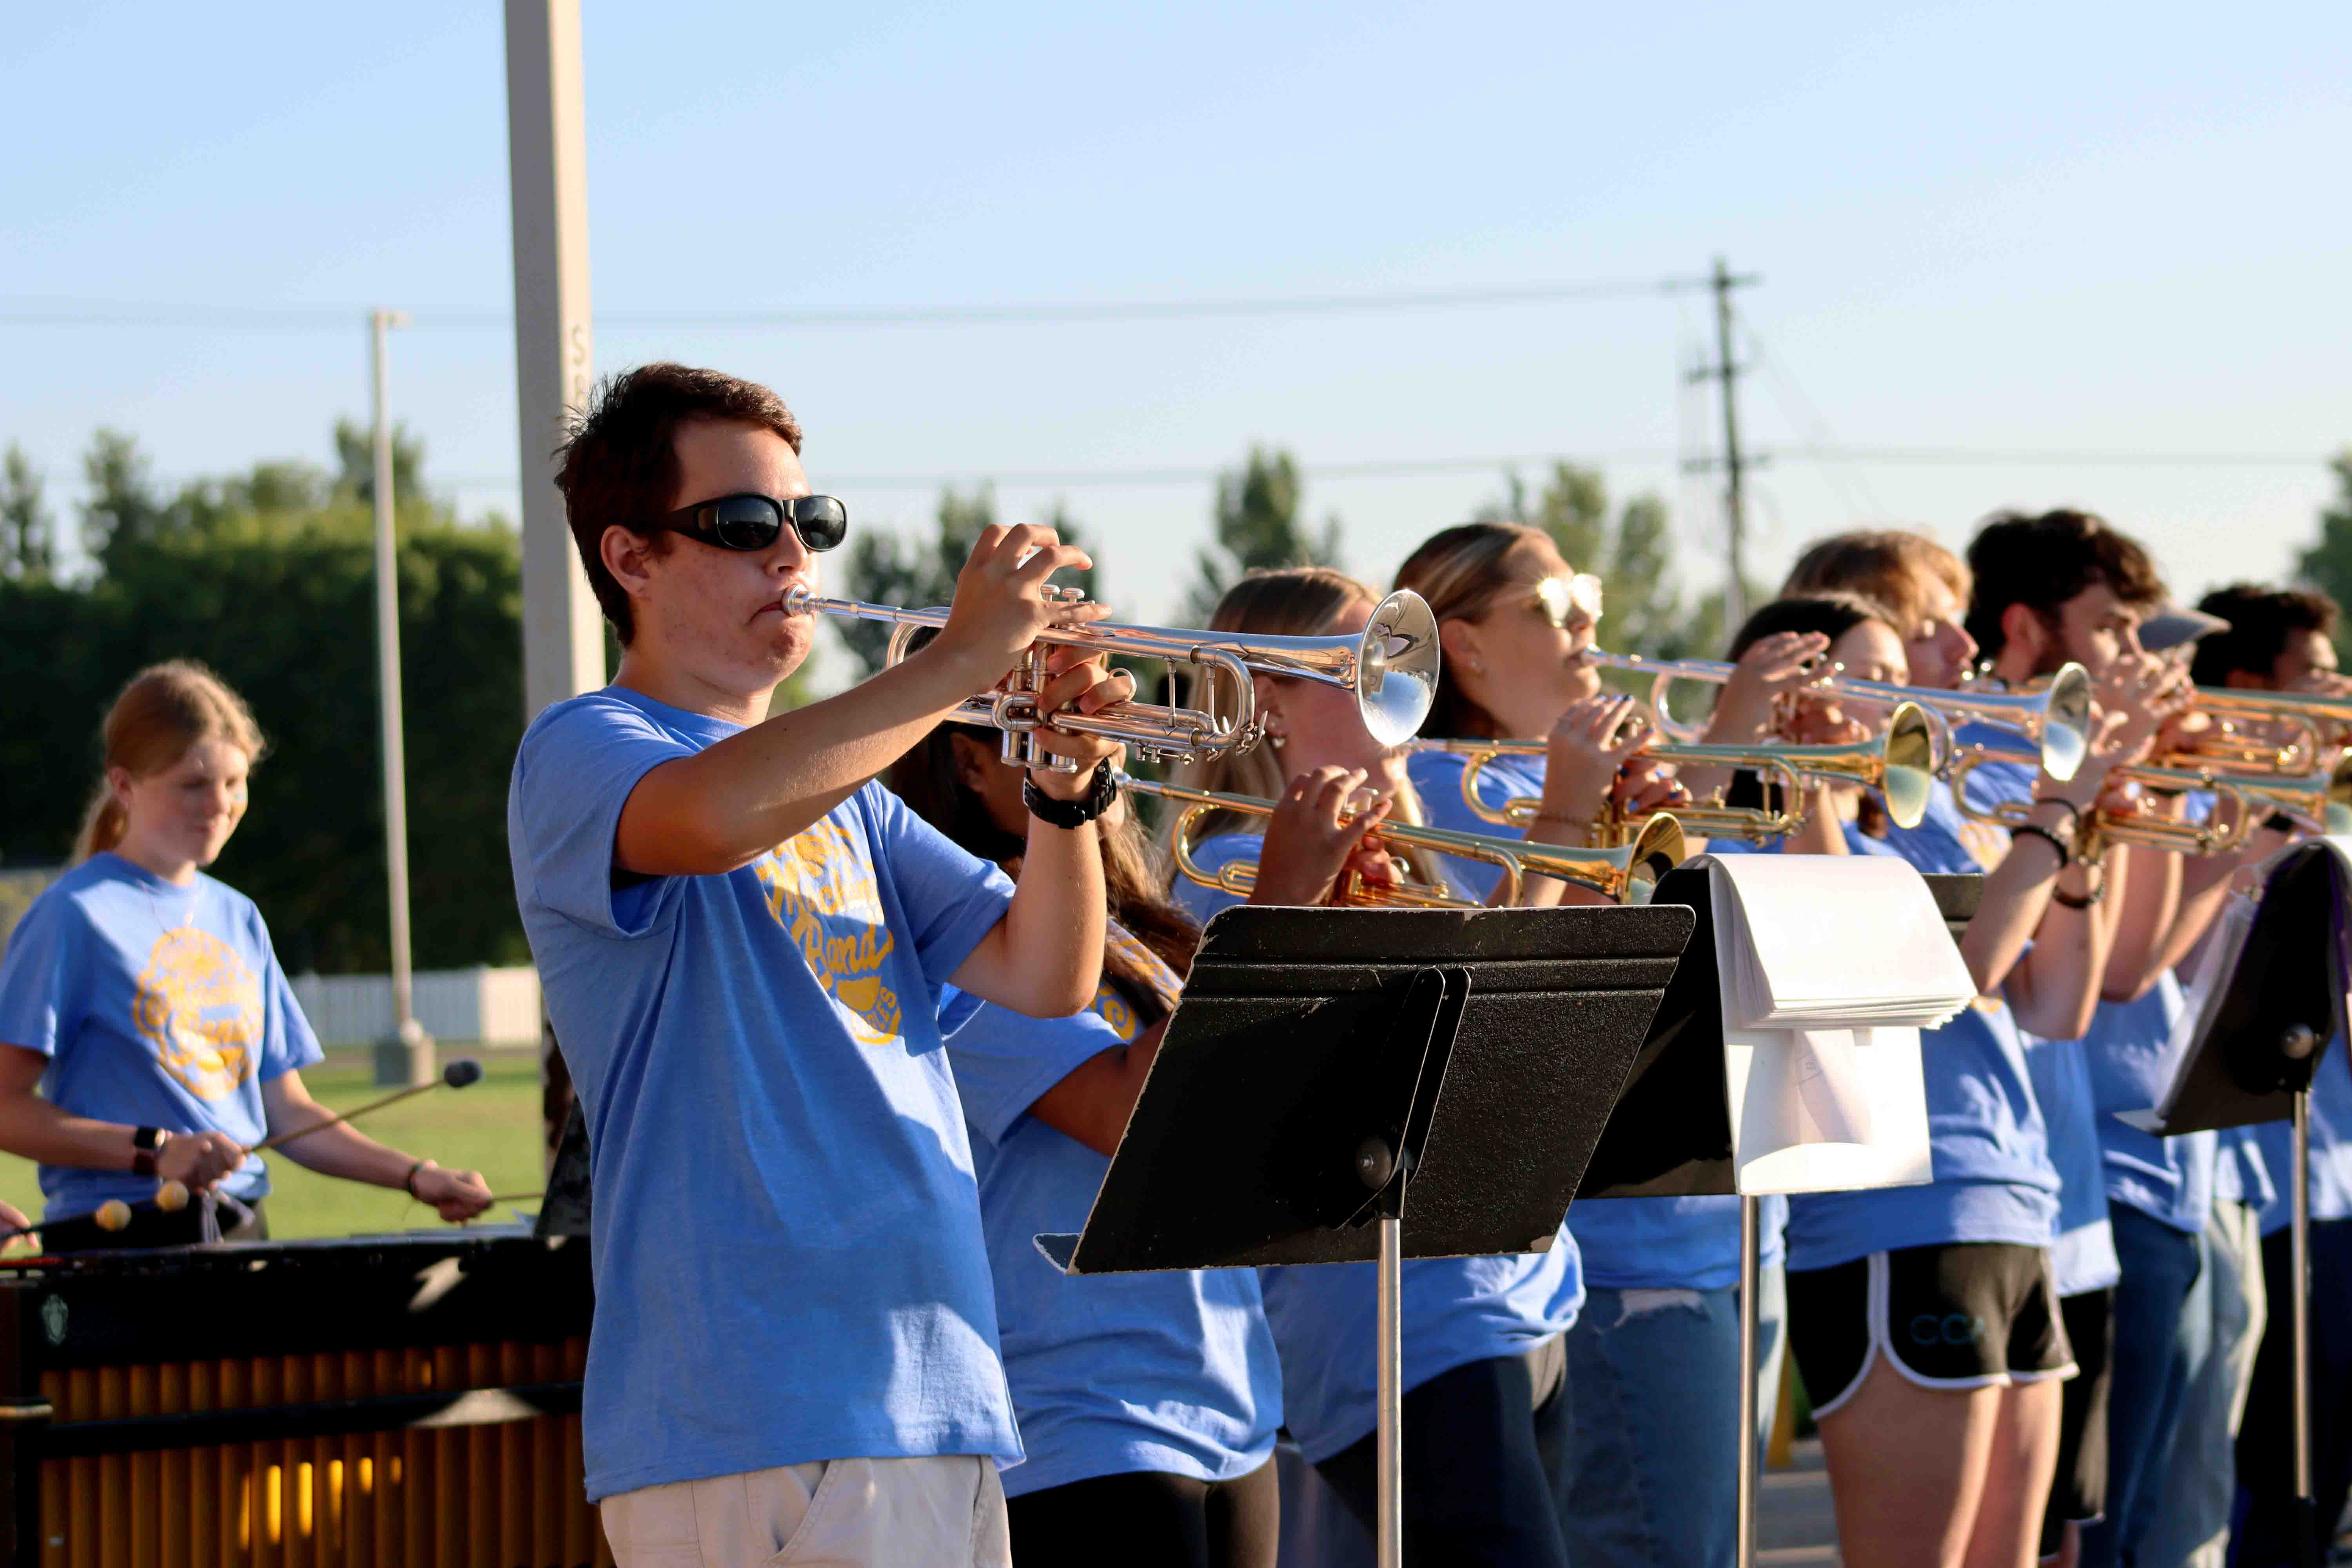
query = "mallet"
{"x": 457, "y": 1075}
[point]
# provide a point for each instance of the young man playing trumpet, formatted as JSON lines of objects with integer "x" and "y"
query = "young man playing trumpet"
{"x": 2278, "y": 640}
{"x": 744, "y": 940}
{"x": 2065, "y": 586}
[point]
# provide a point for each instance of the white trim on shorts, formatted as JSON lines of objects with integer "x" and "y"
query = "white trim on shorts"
{"x": 1875, "y": 1313}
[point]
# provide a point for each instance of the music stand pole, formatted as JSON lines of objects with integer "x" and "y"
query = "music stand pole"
{"x": 1391, "y": 1380}
{"x": 2306, "y": 1505}
{"x": 1743, "y": 1554}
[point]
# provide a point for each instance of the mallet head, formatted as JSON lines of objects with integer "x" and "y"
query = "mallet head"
{"x": 461, "y": 1072}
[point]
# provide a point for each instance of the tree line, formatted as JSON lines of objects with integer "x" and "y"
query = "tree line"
{"x": 268, "y": 576}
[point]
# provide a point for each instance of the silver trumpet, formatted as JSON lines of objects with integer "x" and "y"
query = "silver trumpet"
{"x": 2054, "y": 717}
{"x": 1390, "y": 667}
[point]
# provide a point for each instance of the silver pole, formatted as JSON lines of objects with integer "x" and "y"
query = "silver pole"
{"x": 1390, "y": 1444}
{"x": 2299, "y": 1271}
{"x": 408, "y": 1054}
{"x": 1743, "y": 1554}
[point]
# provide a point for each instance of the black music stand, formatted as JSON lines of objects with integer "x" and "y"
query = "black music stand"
{"x": 2255, "y": 1062}
{"x": 1671, "y": 1134}
{"x": 1328, "y": 1065}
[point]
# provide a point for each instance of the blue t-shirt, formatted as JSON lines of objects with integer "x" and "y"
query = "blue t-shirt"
{"x": 158, "y": 1005}
{"x": 2170, "y": 1179}
{"x": 1994, "y": 1180}
{"x": 788, "y": 1257}
{"x": 2166, "y": 1179}
{"x": 1623, "y": 1244}
{"x": 1455, "y": 1311}
{"x": 1171, "y": 1372}
{"x": 2331, "y": 1147}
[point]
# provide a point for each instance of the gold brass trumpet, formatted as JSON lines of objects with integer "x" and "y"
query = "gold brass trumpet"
{"x": 2240, "y": 803}
{"x": 1390, "y": 667}
{"x": 2303, "y": 725}
{"x": 1899, "y": 764}
{"x": 1624, "y": 874}
{"x": 2054, "y": 717}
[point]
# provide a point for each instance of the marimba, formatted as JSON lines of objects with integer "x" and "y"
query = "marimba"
{"x": 375, "y": 1401}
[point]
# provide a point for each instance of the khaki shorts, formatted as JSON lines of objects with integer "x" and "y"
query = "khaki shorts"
{"x": 832, "y": 1513}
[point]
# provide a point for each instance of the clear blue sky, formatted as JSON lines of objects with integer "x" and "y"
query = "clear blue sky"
{"x": 1981, "y": 227}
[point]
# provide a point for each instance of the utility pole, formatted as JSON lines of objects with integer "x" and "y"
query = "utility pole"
{"x": 1726, "y": 371}
{"x": 406, "y": 1057}
{"x": 547, "y": 160}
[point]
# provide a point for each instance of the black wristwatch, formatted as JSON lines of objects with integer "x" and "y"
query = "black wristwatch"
{"x": 1078, "y": 813}
{"x": 146, "y": 1143}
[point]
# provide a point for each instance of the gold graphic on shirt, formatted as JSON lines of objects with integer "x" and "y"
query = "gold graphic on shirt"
{"x": 1110, "y": 1003}
{"x": 202, "y": 1008}
{"x": 823, "y": 893}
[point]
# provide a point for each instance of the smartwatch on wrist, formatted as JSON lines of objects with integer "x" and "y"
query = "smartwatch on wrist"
{"x": 1078, "y": 813}
{"x": 146, "y": 1143}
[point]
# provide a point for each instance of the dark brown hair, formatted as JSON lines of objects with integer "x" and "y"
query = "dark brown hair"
{"x": 2260, "y": 619}
{"x": 2042, "y": 561}
{"x": 1833, "y": 615}
{"x": 1888, "y": 565}
{"x": 620, "y": 463}
{"x": 164, "y": 711}
{"x": 1459, "y": 571}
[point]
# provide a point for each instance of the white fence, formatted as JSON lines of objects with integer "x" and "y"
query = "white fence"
{"x": 494, "y": 1006}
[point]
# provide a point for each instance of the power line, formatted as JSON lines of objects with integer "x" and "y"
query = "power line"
{"x": 36, "y": 312}
{"x": 1914, "y": 457}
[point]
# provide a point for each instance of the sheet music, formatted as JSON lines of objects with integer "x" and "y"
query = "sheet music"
{"x": 1825, "y": 939}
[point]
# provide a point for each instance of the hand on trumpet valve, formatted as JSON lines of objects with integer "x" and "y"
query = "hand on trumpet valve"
{"x": 1643, "y": 788}
{"x": 1588, "y": 746}
{"x": 1003, "y": 602}
{"x": 1320, "y": 832}
{"x": 1079, "y": 683}
{"x": 2149, "y": 691}
{"x": 1767, "y": 675}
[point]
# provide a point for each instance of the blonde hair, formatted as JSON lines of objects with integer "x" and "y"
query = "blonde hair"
{"x": 162, "y": 714}
{"x": 1293, "y": 601}
{"x": 1459, "y": 571}
{"x": 1889, "y": 565}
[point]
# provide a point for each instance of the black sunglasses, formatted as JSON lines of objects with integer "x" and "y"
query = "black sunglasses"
{"x": 752, "y": 521}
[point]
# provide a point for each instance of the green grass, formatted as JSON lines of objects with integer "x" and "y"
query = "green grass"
{"x": 492, "y": 1127}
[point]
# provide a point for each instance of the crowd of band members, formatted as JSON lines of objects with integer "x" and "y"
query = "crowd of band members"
{"x": 870, "y": 1009}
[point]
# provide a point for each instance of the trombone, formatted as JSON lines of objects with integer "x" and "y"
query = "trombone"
{"x": 2054, "y": 716}
{"x": 1390, "y": 667}
{"x": 1624, "y": 873}
{"x": 1899, "y": 764}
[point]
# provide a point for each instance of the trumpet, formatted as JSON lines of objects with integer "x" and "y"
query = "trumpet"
{"x": 1390, "y": 667}
{"x": 2054, "y": 716}
{"x": 2235, "y": 817}
{"x": 1623, "y": 873}
{"x": 1899, "y": 764}
{"x": 2312, "y": 722}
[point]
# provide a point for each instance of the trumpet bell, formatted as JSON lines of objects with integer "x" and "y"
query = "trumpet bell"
{"x": 1657, "y": 849}
{"x": 2066, "y": 723}
{"x": 1906, "y": 771}
{"x": 1396, "y": 668}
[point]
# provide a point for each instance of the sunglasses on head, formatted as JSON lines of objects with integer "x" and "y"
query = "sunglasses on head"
{"x": 750, "y": 521}
{"x": 1570, "y": 602}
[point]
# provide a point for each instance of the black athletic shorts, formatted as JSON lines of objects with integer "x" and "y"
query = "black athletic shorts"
{"x": 2078, "y": 1492}
{"x": 1966, "y": 1315}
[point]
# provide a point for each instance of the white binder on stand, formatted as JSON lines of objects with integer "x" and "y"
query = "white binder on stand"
{"x": 1829, "y": 966}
